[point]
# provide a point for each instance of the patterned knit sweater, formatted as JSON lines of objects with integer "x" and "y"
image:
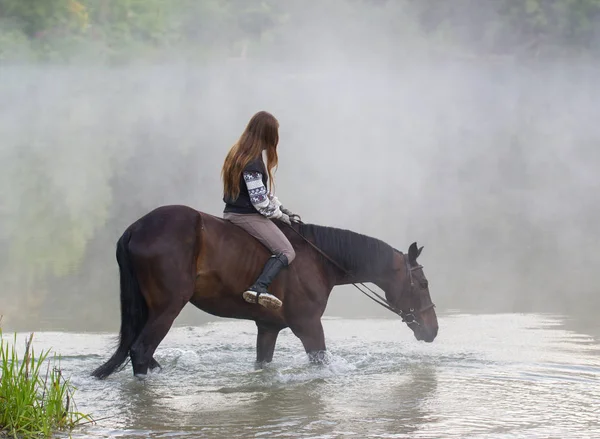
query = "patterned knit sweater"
{"x": 263, "y": 201}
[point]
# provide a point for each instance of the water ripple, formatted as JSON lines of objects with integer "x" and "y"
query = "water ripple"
{"x": 486, "y": 376}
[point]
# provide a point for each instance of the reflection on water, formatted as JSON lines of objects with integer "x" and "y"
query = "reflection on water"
{"x": 491, "y": 376}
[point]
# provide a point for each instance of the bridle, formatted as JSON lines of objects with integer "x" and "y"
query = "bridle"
{"x": 407, "y": 317}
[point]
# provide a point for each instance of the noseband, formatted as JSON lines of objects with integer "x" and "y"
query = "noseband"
{"x": 407, "y": 317}
{"x": 410, "y": 312}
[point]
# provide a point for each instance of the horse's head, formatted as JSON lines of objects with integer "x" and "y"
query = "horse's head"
{"x": 408, "y": 292}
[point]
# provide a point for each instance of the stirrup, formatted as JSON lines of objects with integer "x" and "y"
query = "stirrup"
{"x": 267, "y": 300}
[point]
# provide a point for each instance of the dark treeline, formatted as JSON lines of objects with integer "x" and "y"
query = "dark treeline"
{"x": 122, "y": 30}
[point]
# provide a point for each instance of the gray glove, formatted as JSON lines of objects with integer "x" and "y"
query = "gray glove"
{"x": 292, "y": 216}
{"x": 285, "y": 218}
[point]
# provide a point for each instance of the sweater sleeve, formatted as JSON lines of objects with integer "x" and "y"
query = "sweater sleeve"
{"x": 260, "y": 198}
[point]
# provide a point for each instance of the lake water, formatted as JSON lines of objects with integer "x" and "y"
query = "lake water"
{"x": 485, "y": 376}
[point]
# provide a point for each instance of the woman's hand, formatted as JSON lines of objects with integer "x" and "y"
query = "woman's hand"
{"x": 292, "y": 216}
{"x": 285, "y": 218}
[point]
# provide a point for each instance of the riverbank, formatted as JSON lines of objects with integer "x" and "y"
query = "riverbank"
{"x": 36, "y": 399}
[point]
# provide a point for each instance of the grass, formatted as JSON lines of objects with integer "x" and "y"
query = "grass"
{"x": 35, "y": 399}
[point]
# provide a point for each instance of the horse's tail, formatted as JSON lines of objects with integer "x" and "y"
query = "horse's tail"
{"x": 134, "y": 310}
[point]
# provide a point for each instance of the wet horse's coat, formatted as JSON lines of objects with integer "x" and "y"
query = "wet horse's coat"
{"x": 175, "y": 254}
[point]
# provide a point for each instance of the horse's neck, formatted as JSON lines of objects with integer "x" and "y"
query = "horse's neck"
{"x": 353, "y": 257}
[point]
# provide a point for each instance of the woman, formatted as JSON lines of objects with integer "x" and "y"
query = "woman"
{"x": 251, "y": 206}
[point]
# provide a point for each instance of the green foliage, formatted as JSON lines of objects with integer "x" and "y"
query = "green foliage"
{"x": 555, "y": 22}
{"x": 34, "y": 402}
{"x": 39, "y": 16}
{"x": 49, "y": 233}
{"x": 14, "y": 43}
{"x": 119, "y": 30}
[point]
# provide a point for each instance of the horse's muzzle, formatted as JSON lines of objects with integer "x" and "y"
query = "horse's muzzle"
{"x": 426, "y": 331}
{"x": 426, "y": 335}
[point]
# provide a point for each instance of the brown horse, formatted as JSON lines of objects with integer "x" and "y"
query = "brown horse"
{"x": 176, "y": 254}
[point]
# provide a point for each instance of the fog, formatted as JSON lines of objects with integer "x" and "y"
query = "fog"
{"x": 490, "y": 162}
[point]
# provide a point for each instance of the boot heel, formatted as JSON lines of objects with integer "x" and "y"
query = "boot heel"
{"x": 260, "y": 288}
{"x": 269, "y": 301}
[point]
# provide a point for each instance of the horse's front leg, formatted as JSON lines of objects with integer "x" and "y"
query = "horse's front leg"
{"x": 310, "y": 333}
{"x": 265, "y": 342}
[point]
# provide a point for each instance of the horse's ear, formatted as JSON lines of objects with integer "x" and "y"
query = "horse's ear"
{"x": 420, "y": 250}
{"x": 413, "y": 253}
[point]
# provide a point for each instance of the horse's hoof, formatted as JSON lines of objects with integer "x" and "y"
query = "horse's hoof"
{"x": 260, "y": 366}
{"x": 154, "y": 365}
{"x": 320, "y": 358}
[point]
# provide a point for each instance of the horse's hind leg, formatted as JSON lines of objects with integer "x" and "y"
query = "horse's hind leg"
{"x": 154, "y": 364}
{"x": 155, "y": 330}
{"x": 166, "y": 290}
{"x": 265, "y": 342}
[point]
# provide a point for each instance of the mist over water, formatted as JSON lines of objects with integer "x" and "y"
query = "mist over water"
{"x": 489, "y": 162}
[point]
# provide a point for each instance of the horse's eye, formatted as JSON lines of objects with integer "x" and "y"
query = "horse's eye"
{"x": 424, "y": 283}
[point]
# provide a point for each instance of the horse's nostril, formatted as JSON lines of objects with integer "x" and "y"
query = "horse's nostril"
{"x": 432, "y": 335}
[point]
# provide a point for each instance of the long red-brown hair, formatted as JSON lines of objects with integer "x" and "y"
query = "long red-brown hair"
{"x": 261, "y": 134}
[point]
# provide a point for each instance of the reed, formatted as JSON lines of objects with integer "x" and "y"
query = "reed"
{"x": 36, "y": 400}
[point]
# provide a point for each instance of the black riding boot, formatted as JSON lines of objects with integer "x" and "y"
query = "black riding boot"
{"x": 258, "y": 292}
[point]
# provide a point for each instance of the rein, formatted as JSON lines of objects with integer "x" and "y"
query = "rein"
{"x": 379, "y": 299}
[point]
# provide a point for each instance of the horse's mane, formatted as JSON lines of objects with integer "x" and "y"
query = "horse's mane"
{"x": 353, "y": 251}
